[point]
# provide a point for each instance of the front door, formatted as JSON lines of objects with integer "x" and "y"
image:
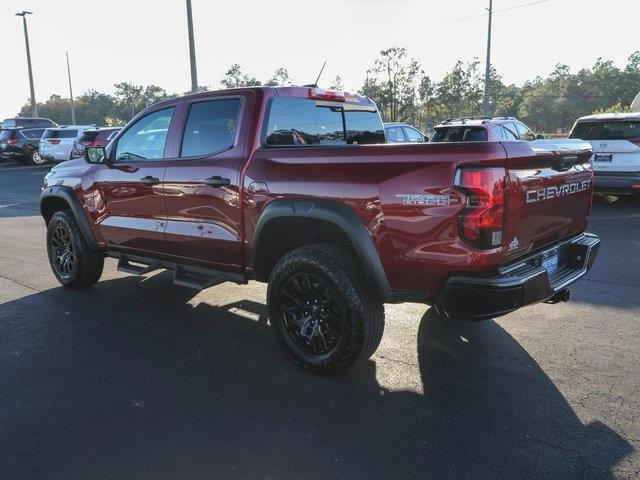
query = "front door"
{"x": 130, "y": 207}
{"x": 201, "y": 186}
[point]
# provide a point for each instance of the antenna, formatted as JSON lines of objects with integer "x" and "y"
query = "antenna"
{"x": 321, "y": 70}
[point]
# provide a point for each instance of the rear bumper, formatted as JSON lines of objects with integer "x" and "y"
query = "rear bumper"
{"x": 518, "y": 284}
{"x": 617, "y": 182}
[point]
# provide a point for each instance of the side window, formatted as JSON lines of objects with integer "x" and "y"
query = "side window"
{"x": 113, "y": 135}
{"x": 32, "y": 133}
{"x": 524, "y": 132}
{"x": 211, "y": 127}
{"x": 395, "y": 135}
{"x": 145, "y": 139}
{"x": 510, "y": 131}
{"x": 413, "y": 135}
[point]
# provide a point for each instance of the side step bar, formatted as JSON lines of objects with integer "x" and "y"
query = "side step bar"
{"x": 184, "y": 275}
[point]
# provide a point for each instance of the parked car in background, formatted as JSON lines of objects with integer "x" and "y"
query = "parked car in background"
{"x": 21, "y": 144}
{"x": 96, "y": 137}
{"x": 482, "y": 129}
{"x": 615, "y": 139}
{"x": 397, "y": 132}
{"x": 28, "y": 122}
{"x": 56, "y": 143}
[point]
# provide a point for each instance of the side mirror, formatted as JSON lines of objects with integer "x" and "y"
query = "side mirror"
{"x": 95, "y": 155}
{"x": 539, "y": 136}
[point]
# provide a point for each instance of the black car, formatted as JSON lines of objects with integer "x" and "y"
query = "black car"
{"x": 21, "y": 144}
{"x": 28, "y": 122}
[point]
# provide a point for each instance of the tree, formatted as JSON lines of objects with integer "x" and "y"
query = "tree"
{"x": 393, "y": 83}
{"x": 280, "y": 77}
{"x": 336, "y": 83}
{"x": 235, "y": 77}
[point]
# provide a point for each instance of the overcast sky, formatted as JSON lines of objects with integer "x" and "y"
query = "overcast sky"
{"x": 145, "y": 41}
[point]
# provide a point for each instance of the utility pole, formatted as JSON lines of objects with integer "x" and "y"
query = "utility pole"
{"x": 192, "y": 49}
{"x": 487, "y": 74}
{"x": 73, "y": 108}
{"x": 34, "y": 105}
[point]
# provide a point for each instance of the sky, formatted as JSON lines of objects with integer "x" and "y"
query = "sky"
{"x": 145, "y": 41}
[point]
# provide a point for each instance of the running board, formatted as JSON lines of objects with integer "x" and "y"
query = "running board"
{"x": 184, "y": 275}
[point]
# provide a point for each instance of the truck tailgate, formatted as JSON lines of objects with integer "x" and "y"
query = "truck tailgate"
{"x": 549, "y": 194}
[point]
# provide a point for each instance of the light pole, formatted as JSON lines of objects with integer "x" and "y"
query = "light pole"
{"x": 192, "y": 49}
{"x": 34, "y": 105}
{"x": 487, "y": 74}
{"x": 73, "y": 108}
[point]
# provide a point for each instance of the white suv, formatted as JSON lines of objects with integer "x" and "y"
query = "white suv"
{"x": 56, "y": 143}
{"x": 615, "y": 138}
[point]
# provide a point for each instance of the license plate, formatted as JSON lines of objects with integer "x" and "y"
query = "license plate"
{"x": 603, "y": 158}
{"x": 550, "y": 264}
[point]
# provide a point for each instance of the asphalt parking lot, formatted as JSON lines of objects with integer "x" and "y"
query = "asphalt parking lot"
{"x": 137, "y": 378}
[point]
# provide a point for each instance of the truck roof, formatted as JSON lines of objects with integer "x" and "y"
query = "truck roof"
{"x": 611, "y": 116}
{"x": 284, "y": 91}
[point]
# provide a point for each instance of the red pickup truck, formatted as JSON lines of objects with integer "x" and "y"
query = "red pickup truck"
{"x": 294, "y": 186}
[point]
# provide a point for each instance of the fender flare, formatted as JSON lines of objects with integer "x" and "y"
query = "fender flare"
{"x": 68, "y": 195}
{"x": 341, "y": 216}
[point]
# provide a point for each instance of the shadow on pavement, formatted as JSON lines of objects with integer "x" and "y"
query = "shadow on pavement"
{"x": 131, "y": 380}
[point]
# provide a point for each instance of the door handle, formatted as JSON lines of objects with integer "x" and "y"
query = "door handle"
{"x": 149, "y": 180}
{"x": 217, "y": 181}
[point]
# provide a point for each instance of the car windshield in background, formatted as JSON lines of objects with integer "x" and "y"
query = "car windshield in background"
{"x": 459, "y": 134}
{"x": 294, "y": 121}
{"x": 616, "y": 130}
{"x": 60, "y": 134}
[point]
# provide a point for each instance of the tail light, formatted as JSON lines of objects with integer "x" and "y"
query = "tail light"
{"x": 12, "y": 141}
{"x": 327, "y": 95}
{"x": 482, "y": 221}
{"x": 54, "y": 142}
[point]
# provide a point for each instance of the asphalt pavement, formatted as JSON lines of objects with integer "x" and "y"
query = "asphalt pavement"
{"x": 138, "y": 378}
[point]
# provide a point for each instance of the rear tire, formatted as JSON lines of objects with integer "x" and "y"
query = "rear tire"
{"x": 36, "y": 159}
{"x": 72, "y": 261}
{"x": 322, "y": 312}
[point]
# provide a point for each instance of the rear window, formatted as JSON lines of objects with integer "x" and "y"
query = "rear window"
{"x": 7, "y": 135}
{"x": 60, "y": 134}
{"x": 459, "y": 134}
{"x": 617, "y": 130}
{"x": 88, "y": 137}
{"x": 296, "y": 121}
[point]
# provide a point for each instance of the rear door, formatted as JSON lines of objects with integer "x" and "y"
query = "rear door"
{"x": 57, "y": 142}
{"x": 548, "y": 195}
{"x": 130, "y": 207}
{"x": 201, "y": 186}
{"x": 616, "y": 144}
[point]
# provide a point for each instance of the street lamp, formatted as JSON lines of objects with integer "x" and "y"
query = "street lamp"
{"x": 486, "y": 107}
{"x": 34, "y": 105}
{"x": 192, "y": 49}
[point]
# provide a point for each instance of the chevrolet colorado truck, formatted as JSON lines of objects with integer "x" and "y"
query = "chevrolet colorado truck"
{"x": 294, "y": 186}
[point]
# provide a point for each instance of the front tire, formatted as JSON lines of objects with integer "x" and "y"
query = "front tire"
{"x": 72, "y": 261}
{"x": 322, "y": 311}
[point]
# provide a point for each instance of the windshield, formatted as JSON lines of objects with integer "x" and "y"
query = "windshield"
{"x": 615, "y": 130}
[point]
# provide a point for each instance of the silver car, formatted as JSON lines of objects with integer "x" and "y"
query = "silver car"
{"x": 56, "y": 143}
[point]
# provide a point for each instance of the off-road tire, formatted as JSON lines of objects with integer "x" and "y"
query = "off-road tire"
{"x": 364, "y": 318}
{"x": 87, "y": 263}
